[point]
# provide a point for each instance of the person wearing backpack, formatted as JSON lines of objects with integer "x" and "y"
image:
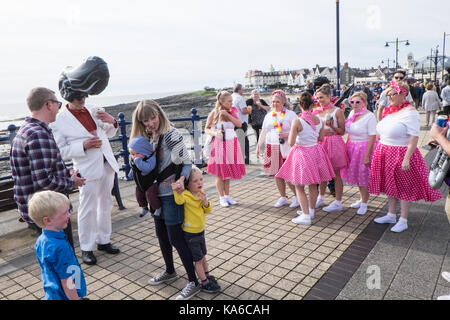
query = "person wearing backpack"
{"x": 144, "y": 171}
{"x": 172, "y": 162}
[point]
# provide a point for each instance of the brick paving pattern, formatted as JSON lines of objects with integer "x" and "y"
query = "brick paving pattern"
{"x": 254, "y": 250}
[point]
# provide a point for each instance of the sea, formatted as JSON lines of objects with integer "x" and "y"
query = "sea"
{"x": 14, "y": 113}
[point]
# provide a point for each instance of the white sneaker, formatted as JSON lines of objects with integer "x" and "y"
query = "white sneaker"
{"x": 319, "y": 203}
{"x": 444, "y": 297}
{"x": 400, "y": 226}
{"x": 223, "y": 202}
{"x": 303, "y": 219}
{"x": 362, "y": 210}
{"x": 281, "y": 202}
{"x": 446, "y": 275}
{"x": 230, "y": 200}
{"x": 334, "y": 206}
{"x": 386, "y": 219}
{"x": 356, "y": 205}
{"x": 299, "y": 212}
{"x": 294, "y": 203}
{"x": 189, "y": 291}
{"x": 311, "y": 215}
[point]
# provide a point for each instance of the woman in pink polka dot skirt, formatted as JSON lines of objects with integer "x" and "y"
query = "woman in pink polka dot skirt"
{"x": 334, "y": 128}
{"x": 307, "y": 163}
{"x": 361, "y": 128}
{"x": 225, "y": 160}
{"x": 398, "y": 169}
{"x": 275, "y": 132}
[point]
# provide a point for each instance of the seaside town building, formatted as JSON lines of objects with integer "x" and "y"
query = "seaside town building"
{"x": 423, "y": 69}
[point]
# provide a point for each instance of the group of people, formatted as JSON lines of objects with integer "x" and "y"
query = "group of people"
{"x": 308, "y": 150}
{"x": 303, "y": 152}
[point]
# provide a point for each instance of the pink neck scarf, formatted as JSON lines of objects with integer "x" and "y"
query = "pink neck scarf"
{"x": 349, "y": 121}
{"x": 306, "y": 115}
{"x": 320, "y": 109}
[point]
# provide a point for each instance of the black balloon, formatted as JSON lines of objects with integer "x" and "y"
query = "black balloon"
{"x": 91, "y": 77}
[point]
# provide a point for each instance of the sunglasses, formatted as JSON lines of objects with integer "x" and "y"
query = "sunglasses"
{"x": 81, "y": 97}
{"x": 399, "y": 78}
{"x": 392, "y": 94}
{"x": 357, "y": 102}
{"x": 56, "y": 101}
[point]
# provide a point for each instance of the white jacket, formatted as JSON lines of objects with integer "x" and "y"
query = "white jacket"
{"x": 70, "y": 134}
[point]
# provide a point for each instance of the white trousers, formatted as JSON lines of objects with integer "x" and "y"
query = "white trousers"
{"x": 94, "y": 212}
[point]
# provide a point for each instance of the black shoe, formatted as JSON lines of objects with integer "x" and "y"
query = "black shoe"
{"x": 211, "y": 287}
{"x": 109, "y": 248}
{"x": 144, "y": 211}
{"x": 88, "y": 257}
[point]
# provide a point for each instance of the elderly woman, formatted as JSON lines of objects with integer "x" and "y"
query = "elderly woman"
{"x": 275, "y": 132}
{"x": 150, "y": 121}
{"x": 398, "y": 169}
{"x": 431, "y": 102}
{"x": 361, "y": 128}
{"x": 259, "y": 109}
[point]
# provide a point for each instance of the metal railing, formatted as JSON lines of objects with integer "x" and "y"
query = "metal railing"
{"x": 196, "y": 146}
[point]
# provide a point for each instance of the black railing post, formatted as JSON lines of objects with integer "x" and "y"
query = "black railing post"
{"x": 124, "y": 152}
{"x": 12, "y": 132}
{"x": 197, "y": 137}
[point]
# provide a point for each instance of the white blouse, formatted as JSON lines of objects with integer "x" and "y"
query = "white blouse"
{"x": 361, "y": 129}
{"x": 397, "y": 128}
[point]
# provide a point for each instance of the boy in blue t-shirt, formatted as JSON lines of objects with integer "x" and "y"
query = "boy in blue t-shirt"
{"x": 62, "y": 276}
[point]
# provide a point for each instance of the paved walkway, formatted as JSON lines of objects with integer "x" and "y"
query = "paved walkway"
{"x": 254, "y": 251}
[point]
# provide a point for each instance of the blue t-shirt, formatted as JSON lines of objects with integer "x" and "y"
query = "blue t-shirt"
{"x": 58, "y": 261}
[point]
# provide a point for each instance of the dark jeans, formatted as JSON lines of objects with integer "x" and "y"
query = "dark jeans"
{"x": 172, "y": 235}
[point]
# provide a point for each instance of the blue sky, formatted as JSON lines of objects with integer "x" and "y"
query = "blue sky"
{"x": 162, "y": 46}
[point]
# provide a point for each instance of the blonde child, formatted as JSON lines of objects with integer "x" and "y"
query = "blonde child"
{"x": 196, "y": 206}
{"x": 62, "y": 276}
{"x": 226, "y": 161}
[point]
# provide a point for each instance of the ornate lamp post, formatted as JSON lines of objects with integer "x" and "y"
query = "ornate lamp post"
{"x": 396, "y": 48}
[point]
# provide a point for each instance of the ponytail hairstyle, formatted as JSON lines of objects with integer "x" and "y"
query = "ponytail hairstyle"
{"x": 220, "y": 98}
{"x": 306, "y": 100}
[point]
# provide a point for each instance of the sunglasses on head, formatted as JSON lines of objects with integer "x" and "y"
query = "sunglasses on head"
{"x": 357, "y": 102}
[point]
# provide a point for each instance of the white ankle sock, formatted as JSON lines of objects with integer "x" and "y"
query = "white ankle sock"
{"x": 320, "y": 197}
{"x": 403, "y": 220}
{"x": 338, "y": 202}
{"x": 391, "y": 215}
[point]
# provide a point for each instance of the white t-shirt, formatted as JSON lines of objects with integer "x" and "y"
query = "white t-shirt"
{"x": 361, "y": 129}
{"x": 239, "y": 104}
{"x": 272, "y": 136}
{"x": 308, "y": 136}
{"x": 397, "y": 128}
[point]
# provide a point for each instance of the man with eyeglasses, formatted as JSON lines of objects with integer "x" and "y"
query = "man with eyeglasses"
{"x": 36, "y": 162}
{"x": 82, "y": 135}
{"x": 383, "y": 101}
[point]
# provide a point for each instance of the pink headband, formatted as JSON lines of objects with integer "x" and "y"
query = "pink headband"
{"x": 398, "y": 89}
{"x": 281, "y": 94}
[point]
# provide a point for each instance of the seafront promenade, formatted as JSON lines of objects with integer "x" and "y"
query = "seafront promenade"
{"x": 256, "y": 252}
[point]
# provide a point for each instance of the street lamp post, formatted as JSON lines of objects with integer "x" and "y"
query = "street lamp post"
{"x": 382, "y": 62}
{"x": 338, "y": 64}
{"x": 396, "y": 48}
{"x": 443, "y": 56}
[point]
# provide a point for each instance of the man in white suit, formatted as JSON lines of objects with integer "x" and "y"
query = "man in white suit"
{"x": 82, "y": 135}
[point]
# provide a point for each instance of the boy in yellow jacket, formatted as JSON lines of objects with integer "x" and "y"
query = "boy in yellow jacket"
{"x": 196, "y": 206}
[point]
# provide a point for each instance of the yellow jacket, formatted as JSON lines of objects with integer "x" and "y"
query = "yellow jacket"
{"x": 194, "y": 211}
